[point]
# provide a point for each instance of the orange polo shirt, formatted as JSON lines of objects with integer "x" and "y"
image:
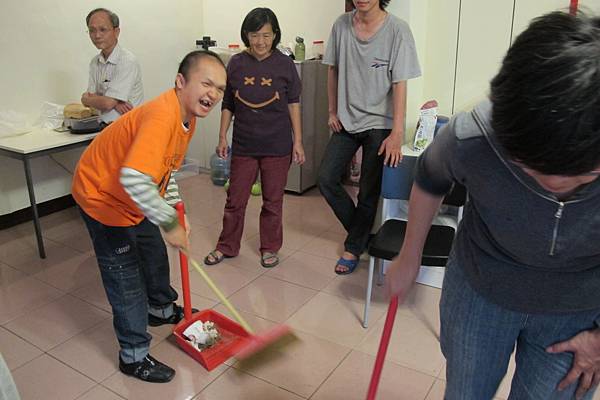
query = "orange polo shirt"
{"x": 150, "y": 139}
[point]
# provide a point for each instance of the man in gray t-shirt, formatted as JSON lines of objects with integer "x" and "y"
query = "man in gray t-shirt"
{"x": 370, "y": 54}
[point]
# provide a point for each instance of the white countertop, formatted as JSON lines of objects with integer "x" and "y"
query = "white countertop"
{"x": 41, "y": 139}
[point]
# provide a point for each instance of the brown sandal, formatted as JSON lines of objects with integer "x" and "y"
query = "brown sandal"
{"x": 215, "y": 258}
{"x": 269, "y": 256}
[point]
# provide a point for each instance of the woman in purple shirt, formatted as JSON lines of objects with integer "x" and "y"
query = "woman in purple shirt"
{"x": 263, "y": 93}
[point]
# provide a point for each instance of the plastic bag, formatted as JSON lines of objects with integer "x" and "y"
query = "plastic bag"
{"x": 426, "y": 126}
{"x": 51, "y": 115}
{"x": 13, "y": 123}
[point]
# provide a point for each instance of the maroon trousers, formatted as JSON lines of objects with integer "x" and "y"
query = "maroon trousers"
{"x": 273, "y": 174}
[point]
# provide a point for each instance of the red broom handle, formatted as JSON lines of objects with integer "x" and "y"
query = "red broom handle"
{"x": 183, "y": 264}
{"x": 573, "y": 7}
{"x": 383, "y": 345}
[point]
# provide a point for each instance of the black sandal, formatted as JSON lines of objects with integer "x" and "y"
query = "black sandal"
{"x": 268, "y": 256}
{"x": 215, "y": 258}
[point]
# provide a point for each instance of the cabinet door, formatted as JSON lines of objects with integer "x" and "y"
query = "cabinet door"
{"x": 483, "y": 38}
{"x": 526, "y": 10}
{"x": 438, "y": 57}
{"x": 589, "y": 6}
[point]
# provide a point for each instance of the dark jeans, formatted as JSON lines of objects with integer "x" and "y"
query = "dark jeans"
{"x": 356, "y": 219}
{"x": 135, "y": 272}
{"x": 477, "y": 338}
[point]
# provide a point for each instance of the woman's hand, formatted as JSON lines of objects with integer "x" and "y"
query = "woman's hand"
{"x": 585, "y": 347}
{"x": 222, "y": 148}
{"x": 298, "y": 153}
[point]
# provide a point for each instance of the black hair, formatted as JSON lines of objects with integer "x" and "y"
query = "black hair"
{"x": 255, "y": 20}
{"x": 114, "y": 18}
{"x": 546, "y": 97}
{"x": 191, "y": 59}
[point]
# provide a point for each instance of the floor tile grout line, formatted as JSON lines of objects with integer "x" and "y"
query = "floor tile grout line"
{"x": 405, "y": 366}
{"x": 103, "y": 387}
{"x": 331, "y": 373}
{"x": 62, "y": 342}
{"x": 80, "y": 333}
{"x": 266, "y": 381}
{"x": 212, "y": 381}
{"x": 37, "y": 307}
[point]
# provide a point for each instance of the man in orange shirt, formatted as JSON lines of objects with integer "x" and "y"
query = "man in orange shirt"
{"x": 123, "y": 185}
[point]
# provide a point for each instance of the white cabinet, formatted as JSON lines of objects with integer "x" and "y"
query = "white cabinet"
{"x": 526, "y": 10}
{"x": 438, "y": 57}
{"x": 461, "y": 44}
{"x": 483, "y": 38}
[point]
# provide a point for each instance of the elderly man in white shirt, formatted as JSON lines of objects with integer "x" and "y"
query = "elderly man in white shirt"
{"x": 115, "y": 81}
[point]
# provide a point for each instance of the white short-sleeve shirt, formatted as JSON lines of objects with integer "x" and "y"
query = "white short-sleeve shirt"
{"x": 119, "y": 77}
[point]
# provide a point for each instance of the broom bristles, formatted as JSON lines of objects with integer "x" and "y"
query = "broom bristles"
{"x": 266, "y": 341}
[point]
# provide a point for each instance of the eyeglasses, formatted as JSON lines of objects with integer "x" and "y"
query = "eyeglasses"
{"x": 253, "y": 36}
{"x": 101, "y": 31}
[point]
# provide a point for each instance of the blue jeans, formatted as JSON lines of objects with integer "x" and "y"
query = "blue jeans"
{"x": 134, "y": 267}
{"x": 478, "y": 337}
{"x": 356, "y": 219}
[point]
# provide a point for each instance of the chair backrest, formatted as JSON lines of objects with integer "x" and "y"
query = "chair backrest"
{"x": 397, "y": 183}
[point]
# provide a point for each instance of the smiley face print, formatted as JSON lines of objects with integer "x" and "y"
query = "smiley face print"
{"x": 257, "y": 93}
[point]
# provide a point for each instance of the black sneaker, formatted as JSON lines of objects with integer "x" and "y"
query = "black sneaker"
{"x": 173, "y": 319}
{"x": 149, "y": 370}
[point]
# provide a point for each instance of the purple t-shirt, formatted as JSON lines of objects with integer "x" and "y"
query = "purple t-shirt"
{"x": 258, "y": 94}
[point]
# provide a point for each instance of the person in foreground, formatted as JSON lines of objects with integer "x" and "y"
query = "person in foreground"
{"x": 524, "y": 273}
{"x": 125, "y": 190}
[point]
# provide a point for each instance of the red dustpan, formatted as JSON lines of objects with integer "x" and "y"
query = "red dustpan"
{"x": 238, "y": 340}
{"x": 233, "y": 336}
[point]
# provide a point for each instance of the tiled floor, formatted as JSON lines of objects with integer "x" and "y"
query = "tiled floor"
{"x": 56, "y": 332}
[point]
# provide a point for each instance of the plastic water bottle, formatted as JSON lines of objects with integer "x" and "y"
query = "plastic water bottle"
{"x": 300, "y": 49}
{"x": 219, "y": 169}
{"x": 318, "y": 49}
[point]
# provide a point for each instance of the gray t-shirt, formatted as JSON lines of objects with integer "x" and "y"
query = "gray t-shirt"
{"x": 367, "y": 70}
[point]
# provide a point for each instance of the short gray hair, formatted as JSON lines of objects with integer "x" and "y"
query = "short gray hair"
{"x": 114, "y": 18}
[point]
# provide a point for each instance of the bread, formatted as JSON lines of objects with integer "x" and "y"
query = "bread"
{"x": 77, "y": 111}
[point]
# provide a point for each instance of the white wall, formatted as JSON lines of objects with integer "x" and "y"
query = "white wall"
{"x": 45, "y": 55}
{"x": 413, "y": 12}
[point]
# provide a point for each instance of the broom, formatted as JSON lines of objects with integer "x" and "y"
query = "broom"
{"x": 256, "y": 343}
{"x": 383, "y": 345}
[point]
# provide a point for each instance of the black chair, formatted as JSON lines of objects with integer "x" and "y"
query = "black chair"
{"x": 386, "y": 243}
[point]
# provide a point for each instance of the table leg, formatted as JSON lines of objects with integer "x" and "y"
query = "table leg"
{"x": 36, "y": 217}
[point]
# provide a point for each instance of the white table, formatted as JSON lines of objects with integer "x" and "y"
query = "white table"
{"x": 40, "y": 142}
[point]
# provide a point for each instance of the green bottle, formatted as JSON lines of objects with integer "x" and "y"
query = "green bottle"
{"x": 299, "y": 49}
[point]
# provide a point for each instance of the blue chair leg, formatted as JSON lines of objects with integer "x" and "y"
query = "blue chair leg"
{"x": 369, "y": 289}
